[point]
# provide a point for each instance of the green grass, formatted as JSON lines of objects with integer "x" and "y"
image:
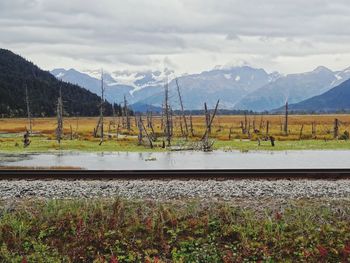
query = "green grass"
{"x": 182, "y": 231}
{"x": 42, "y": 144}
{"x": 283, "y": 145}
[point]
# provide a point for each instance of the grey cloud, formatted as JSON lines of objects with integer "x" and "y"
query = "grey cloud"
{"x": 142, "y": 33}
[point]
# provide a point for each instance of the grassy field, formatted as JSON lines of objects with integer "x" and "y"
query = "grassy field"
{"x": 182, "y": 231}
{"x": 226, "y": 132}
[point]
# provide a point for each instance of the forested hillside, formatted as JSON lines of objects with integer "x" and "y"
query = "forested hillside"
{"x": 16, "y": 73}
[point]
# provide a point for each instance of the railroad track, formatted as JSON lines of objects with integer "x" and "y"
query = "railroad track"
{"x": 219, "y": 174}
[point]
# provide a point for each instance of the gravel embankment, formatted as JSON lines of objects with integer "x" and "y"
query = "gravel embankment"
{"x": 174, "y": 189}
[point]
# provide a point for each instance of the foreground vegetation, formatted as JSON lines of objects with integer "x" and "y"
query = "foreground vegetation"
{"x": 191, "y": 231}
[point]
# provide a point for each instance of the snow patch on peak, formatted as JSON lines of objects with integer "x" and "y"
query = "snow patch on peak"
{"x": 238, "y": 78}
{"x": 321, "y": 69}
{"x": 59, "y": 75}
{"x": 338, "y": 77}
{"x": 227, "y": 76}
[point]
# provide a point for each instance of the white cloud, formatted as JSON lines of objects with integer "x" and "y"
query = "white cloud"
{"x": 187, "y": 35}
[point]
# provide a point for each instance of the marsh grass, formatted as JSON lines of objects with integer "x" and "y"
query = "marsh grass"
{"x": 43, "y": 139}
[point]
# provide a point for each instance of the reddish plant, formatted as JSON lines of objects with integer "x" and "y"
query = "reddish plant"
{"x": 346, "y": 250}
{"x": 228, "y": 257}
{"x": 114, "y": 259}
{"x": 24, "y": 260}
{"x": 322, "y": 251}
{"x": 278, "y": 216}
{"x": 149, "y": 223}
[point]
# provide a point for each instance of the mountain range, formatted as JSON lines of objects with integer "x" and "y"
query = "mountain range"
{"x": 229, "y": 85}
{"x": 334, "y": 100}
{"x": 239, "y": 88}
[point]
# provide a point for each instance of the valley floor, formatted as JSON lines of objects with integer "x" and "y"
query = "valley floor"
{"x": 229, "y": 132}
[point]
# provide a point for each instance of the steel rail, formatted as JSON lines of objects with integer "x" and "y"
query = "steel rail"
{"x": 186, "y": 174}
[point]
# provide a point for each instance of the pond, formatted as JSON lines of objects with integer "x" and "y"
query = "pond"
{"x": 182, "y": 160}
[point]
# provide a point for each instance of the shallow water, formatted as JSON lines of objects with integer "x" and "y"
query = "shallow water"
{"x": 182, "y": 160}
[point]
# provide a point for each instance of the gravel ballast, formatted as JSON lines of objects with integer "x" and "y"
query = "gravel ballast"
{"x": 174, "y": 189}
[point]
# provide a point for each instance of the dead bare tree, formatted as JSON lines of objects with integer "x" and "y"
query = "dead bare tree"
{"x": 167, "y": 130}
{"x": 313, "y": 129}
{"x": 191, "y": 126}
{"x": 29, "y": 115}
{"x": 26, "y": 141}
{"x": 261, "y": 122}
{"x": 205, "y": 138}
{"x": 182, "y": 108}
{"x": 286, "y": 119}
{"x": 101, "y": 110}
{"x": 140, "y": 135}
{"x": 76, "y": 126}
{"x": 336, "y": 128}
{"x": 245, "y": 122}
{"x": 207, "y": 117}
{"x": 171, "y": 122}
{"x": 59, "y": 112}
{"x": 230, "y": 133}
{"x": 301, "y": 132}
{"x": 267, "y": 127}
{"x": 143, "y": 128}
{"x": 126, "y": 114}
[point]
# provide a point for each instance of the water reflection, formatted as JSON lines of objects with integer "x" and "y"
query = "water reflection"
{"x": 182, "y": 160}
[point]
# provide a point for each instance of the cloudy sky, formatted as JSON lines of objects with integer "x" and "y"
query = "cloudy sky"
{"x": 184, "y": 35}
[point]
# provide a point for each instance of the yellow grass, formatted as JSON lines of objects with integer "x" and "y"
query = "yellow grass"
{"x": 221, "y": 126}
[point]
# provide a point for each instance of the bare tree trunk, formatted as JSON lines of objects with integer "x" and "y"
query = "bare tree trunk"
{"x": 167, "y": 115}
{"x": 286, "y": 120}
{"x": 191, "y": 126}
{"x": 171, "y": 123}
{"x": 162, "y": 118}
{"x": 148, "y": 137}
{"x": 301, "y": 132}
{"x": 29, "y": 115}
{"x": 230, "y": 132}
{"x": 242, "y": 127}
{"x": 140, "y": 137}
{"x": 182, "y": 108}
{"x": 207, "y": 117}
{"x": 267, "y": 127}
{"x": 59, "y": 129}
{"x": 76, "y": 126}
{"x": 101, "y": 110}
{"x": 71, "y": 132}
{"x": 205, "y": 136}
{"x": 313, "y": 129}
{"x": 126, "y": 112}
{"x": 336, "y": 128}
{"x": 261, "y": 123}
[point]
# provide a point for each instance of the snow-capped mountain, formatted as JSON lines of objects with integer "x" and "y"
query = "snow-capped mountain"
{"x": 294, "y": 88}
{"x": 227, "y": 84}
{"x": 237, "y": 87}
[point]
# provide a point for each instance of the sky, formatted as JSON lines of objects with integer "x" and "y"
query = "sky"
{"x": 186, "y": 36}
